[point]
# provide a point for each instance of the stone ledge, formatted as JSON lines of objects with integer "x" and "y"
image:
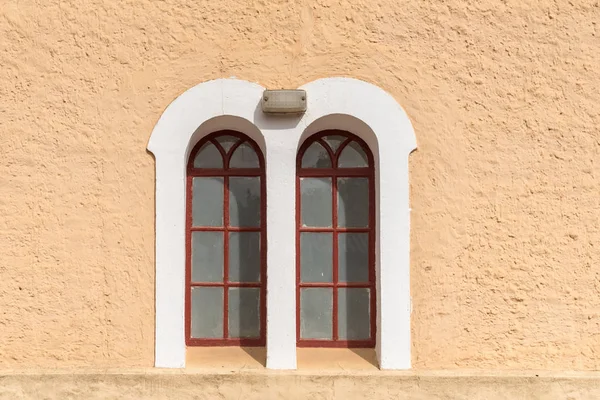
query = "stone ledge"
{"x": 292, "y": 385}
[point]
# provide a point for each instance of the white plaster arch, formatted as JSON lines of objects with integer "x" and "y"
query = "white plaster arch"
{"x": 333, "y": 103}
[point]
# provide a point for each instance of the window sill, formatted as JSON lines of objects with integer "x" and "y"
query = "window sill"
{"x": 254, "y": 358}
{"x": 336, "y": 359}
{"x": 228, "y": 358}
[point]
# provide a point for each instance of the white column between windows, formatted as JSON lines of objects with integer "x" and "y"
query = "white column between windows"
{"x": 281, "y": 254}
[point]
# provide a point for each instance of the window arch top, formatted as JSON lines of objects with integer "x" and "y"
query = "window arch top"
{"x": 333, "y": 149}
{"x": 226, "y": 150}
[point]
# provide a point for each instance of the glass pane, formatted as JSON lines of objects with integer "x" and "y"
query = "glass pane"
{"x": 316, "y": 257}
{"x": 315, "y": 199}
{"x": 353, "y": 202}
{"x": 244, "y": 157}
{"x": 207, "y": 312}
{"x": 353, "y": 314}
{"x": 353, "y": 156}
{"x": 227, "y": 141}
{"x": 334, "y": 141}
{"x": 316, "y": 313}
{"x": 208, "y": 157}
{"x": 244, "y": 257}
{"x": 353, "y": 257}
{"x": 207, "y": 201}
{"x": 244, "y": 201}
{"x": 244, "y": 312}
{"x": 207, "y": 256}
{"x": 316, "y": 157}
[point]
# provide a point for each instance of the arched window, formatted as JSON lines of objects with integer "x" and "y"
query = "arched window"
{"x": 225, "y": 242}
{"x": 335, "y": 258}
{"x": 335, "y": 102}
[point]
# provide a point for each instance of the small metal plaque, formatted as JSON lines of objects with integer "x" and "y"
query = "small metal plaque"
{"x": 284, "y": 101}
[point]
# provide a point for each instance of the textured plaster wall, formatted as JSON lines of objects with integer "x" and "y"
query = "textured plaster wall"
{"x": 504, "y": 99}
{"x": 207, "y": 385}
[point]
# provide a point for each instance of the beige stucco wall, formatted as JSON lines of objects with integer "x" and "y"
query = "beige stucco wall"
{"x": 251, "y": 385}
{"x": 504, "y": 186}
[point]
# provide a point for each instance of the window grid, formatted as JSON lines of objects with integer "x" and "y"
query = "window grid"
{"x": 334, "y": 173}
{"x": 225, "y": 173}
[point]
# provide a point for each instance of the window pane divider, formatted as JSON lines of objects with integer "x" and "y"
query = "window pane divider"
{"x": 224, "y": 229}
{"x": 340, "y": 230}
{"x": 226, "y": 284}
{"x": 226, "y": 258}
{"x": 334, "y": 206}
{"x": 249, "y": 342}
{"x": 358, "y": 285}
{"x": 342, "y": 172}
{"x": 220, "y": 172}
{"x": 336, "y": 344}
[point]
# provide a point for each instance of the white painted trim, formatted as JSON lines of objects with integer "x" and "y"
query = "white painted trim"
{"x": 333, "y": 103}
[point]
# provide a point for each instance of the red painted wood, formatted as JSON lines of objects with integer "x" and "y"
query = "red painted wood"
{"x": 220, "y": 229}
{"x": 188, "y": 257}
{"x": 341, "y": 230}
{"x": 226, "y": 284}
{"x": 336, "y": 343}
{"x": 334, "y": 173}
{"x": 337, "y": 284}
{"x": 223, "y": 284}
{"x": 298, "y": 224}
{"x": 226, "y": 257}
{"x": 226, "y": 342}
{"x": 344, "y": 172}
{"x": 334, "y": 196}
{"x": 221, "y": 172}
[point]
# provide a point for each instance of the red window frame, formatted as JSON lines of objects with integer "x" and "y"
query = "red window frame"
{"x": 226, "y": 173}
{"x": 334, "y": 173}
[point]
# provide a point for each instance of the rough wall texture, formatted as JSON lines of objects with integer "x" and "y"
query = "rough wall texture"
{"x": 503, "y": 97}
{"x": 157, "y": 384}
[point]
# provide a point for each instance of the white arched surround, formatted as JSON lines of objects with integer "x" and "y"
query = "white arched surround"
{"x": 333, "y": 103}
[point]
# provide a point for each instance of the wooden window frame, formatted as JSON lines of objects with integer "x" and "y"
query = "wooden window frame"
{"x": 226, "y": 173}
{"x": 334, "y": 172}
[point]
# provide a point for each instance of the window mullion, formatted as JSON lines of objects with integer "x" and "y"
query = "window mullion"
{"x": 335, "y": 256}
{"x": 226, "y": 258}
